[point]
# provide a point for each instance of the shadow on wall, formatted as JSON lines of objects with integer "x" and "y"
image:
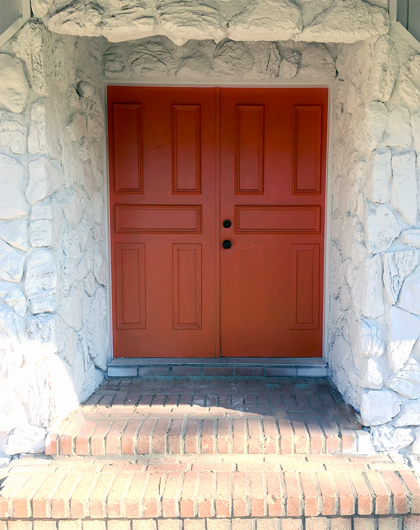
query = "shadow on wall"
{"x": 37, "y": 396}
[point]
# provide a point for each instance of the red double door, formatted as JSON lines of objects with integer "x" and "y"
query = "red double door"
{"x": 195, "y": 170}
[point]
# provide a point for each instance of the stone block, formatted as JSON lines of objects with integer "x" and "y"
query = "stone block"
{"x": 41, "y": 281}
{"x": 316, "y": 61}
{"x": 33, "y": 44}
{"x": 45, "y": 178}
{"x": 28, "y": 439}
{"x": 12, "y": 201}
{"x": 372, "y": 376}
{"x": 381, "y": 227}
{"x": 397, "y": 266}
{"x": 385, "y": 66}
{"x": 44, "y": 337}
{"x": 46, "y": 224}
{"x": 379, "y": 406}
{"x": 14, "y": 88}
{"x": 96, "y": 329}
{"x": 404, "y": 330}
{"x": 407, "y": 88}
{"x": 348, "y": 22}
{"x": 251, "y": 23}
{"x": 37, "y": 139}
{"x": 398, "y": 131}
{"x": 411, "y": 237}
{"x": 406, "y": 381}
{"x": 13, "y": 297}
{"x": 12, "y": 133}
{"x": 71, "y": 308}
{"x": 15, "y": 233}
{"x": 378, "y": 185}
{"x": 387, "y": 438}
{"x": 368, "y": 290}
{"x": 404, "y": 188}
{"x": 410, "y": 414}
{"x": 409, "y": 298}
{"x": 11, "y": 263}
{"x": 415, "y": 130}
{"x": 366, "y": 337}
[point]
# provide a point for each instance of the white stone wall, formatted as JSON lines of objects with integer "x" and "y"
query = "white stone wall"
{"x": 53, "y": 275}
{"x": 375, "y": 271}
{"x": 53, "y": 301}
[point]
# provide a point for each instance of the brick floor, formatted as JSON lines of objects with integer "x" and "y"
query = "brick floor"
{"x": 269, "y": 415}
{"x": 236, "y": 454}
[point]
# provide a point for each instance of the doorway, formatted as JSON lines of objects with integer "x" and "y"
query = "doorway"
{"x": 217, "y": 220}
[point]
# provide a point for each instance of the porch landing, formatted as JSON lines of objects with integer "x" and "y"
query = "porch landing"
{"x": 219, "y": 414}
{"x": 211, "y": 453}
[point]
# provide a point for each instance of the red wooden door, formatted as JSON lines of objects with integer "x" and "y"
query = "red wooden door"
{"x": 272, "y": 189}
{"x": 162, "y": 165}
{"x": 165, "y": 154}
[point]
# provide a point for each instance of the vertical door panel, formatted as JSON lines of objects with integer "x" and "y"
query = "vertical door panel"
{"x": 187, "y": 286}
{"x": 130, "y": 286}
{"x": 128, "y": 148}
{"x": 249, "y": 148}
{"x": 271, "y": 276}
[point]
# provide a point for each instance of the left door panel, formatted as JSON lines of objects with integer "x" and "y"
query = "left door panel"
{"x": 162, "y": 167}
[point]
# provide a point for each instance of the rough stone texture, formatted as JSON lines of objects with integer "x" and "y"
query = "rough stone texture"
{"x": 15, "y": 233}
{"x": 12, "y": 133}
{"x": 14, "y": 297}
{"x": 387, "y": 438}
{"x": 12, "y": 200}
{"x": 404, "y": 330}
{"x": 51, "y": 182}
{"x": 379, "y": 406}
{"x": 397, "y": 266}
{"x": 262, "y": 20}
{"x": 45, "y": 178}
{"x": 11, "y": 263}
{"x": 378, "y": 185}
{"x": 404, "y": 189}
{"x": 61, "y": 126}
{"x": 41, "y": 281}
{"x": 382, "y": 227}
{"x": 410, "y": 414}
{"x": 410, "y": 293}
{"x": 372, "y": 375}
{"x": 46, "y": 224}
{"x": 14, "y": 88}
{"x": 407, "y": 380}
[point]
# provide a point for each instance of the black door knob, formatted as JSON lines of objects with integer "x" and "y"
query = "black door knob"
{"x": 227, "y": 223}
{"x": 226, "y": 243}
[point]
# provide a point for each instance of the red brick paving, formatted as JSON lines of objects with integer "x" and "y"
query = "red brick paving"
{"x": 250, "y": 416}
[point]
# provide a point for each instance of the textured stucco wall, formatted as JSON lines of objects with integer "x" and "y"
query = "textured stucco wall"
{"x": 53, "y": 275}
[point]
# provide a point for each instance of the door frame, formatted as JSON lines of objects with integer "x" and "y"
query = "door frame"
{"x": 319, "y": 83}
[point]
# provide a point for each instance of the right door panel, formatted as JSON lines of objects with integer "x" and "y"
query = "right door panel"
{"x": 273, "y": 165}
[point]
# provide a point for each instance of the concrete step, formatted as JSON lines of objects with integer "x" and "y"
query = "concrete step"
{"x": 226, "y": 417}
{"x": 240, "y": 368}
{"x": 253, "y": 493}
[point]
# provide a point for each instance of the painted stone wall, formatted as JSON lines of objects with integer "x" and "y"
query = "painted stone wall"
{"x": 53, "y": 275}
{"x": 374, "y": 260}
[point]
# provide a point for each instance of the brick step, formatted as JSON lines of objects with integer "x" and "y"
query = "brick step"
{"x": 136, "y": 417}
{"x": 285, "y": 489}
{"x": 198, "y": 436}
{"x": 240, "y": 368}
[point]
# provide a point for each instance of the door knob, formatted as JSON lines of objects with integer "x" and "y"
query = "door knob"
{"x": 226, "y": 244}
{"x": 227, "y": 223}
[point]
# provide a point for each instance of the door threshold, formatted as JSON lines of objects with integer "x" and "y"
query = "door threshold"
{"x": 240, "y": 367}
